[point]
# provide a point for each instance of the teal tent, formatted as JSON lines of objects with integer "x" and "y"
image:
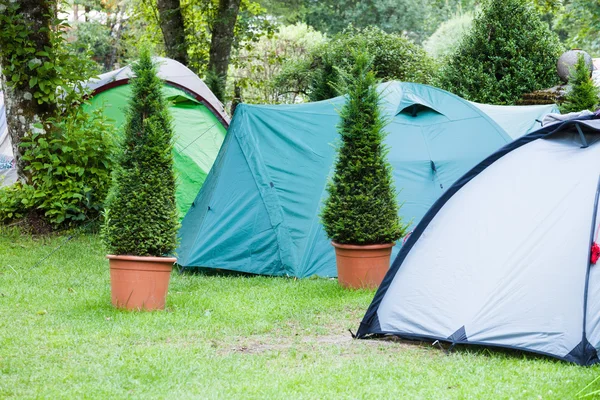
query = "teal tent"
{"x": 258, "y": 210}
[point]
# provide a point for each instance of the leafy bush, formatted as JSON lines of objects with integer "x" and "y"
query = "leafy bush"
{"x": 69, "y": 169}
{"x": 417, "y": 19}
{"x": 446, "y": 39}
{"x": 15, "y": 201}
{"x": 583, "y": 94}
{"x": 362, "y": 207}
{"x": 141, "y": 215}
{"x": 216, "y": 84}
{"x": 508, "y": 52}
{"x": 394, "y": 57}
{"x": 257, "y": 65}
{"x": 93, "y": 37}
{"x": 64, "y": 160}
{"x": 579, "y": 21}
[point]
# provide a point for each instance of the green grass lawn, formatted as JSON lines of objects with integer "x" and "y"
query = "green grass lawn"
{"x": 226, "y": 337}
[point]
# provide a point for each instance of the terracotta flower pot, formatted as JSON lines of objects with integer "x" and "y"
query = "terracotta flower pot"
{"x": 140, "y": 282}
{"x": 362, "y": 266}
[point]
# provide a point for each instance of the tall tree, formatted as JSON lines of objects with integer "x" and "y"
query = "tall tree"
{"x": 173, "y": 30}
{"x": 223, "y": 30}
{"x": 25, "y": 57}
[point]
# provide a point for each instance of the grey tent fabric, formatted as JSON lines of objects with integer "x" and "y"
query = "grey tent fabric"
{"x": 174, "y": 73}
{"x": 503, "y": 257}
{"x": 553, "y": 118}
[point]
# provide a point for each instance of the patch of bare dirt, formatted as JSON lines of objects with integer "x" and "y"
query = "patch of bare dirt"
{"x": 34, "y": 223}
{"x": 344, "y": 342}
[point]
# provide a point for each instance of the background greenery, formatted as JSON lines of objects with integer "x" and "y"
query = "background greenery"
{"x": 263, "y": 36}
{"x": 316, "y": 74}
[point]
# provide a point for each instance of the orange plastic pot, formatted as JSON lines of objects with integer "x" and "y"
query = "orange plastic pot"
{"x": 139, "y": 283}
{"x": 362, "y": 266}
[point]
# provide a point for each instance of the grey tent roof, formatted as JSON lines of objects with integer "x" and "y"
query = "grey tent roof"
{"x": 174, "y": 73}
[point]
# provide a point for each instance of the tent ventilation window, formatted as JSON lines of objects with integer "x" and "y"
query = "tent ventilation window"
{"x": 415, "y": 109}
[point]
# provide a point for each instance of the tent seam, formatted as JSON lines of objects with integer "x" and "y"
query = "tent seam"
{"x": 284, "y": 241}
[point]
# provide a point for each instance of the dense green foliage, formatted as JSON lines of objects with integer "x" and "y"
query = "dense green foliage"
{"x": 417, "y": 19}
{"x": 68, "y": 152}
{"x": 14, "y": 201}
{"x": 70, "y": 165}
{"x": 141, "y": 215}
{"x": 199, "y": 16}
{"x": 447, "y": 37}
{"x": 579, "y": 22}
{"x": 362, "y": 206}
{"x": 508, "y": 52}
{"x": 54, "y": 75}
{"x": 216, "y": 84}
{"x": 394, "y": 58}
{"x": 95, "y": 39}
{"x": 257, "y": 67}
{"x": 583, "y": 94}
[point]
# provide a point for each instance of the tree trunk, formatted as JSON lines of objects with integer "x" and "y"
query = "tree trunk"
{"x": 115, "y": 24}
{"x": 222, "y": 39}
{"x": 22, "y": 110}
{"x": 171, "y": 25}
{"x": 109, "y": 62}
{"x": 75, "y": 12}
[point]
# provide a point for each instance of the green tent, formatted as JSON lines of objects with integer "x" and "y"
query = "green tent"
{"x": 258, "y": 210}
{"x": 199, "y": 120}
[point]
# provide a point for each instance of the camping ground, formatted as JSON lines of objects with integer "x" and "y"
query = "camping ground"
{"x": 224, "y": 337}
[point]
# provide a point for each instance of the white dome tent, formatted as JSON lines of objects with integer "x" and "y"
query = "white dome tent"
{"x": 503, "y": 258}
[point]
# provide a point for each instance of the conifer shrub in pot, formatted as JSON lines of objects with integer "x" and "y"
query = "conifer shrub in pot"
{"x": 360, "y": 215}
{"x": 141, "y": 219}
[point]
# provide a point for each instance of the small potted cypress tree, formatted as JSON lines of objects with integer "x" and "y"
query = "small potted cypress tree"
{"x": 141, "y": 215}
{"x": 360, "y": 215}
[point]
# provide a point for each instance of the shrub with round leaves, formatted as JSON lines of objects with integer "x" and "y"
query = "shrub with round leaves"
{"x": 69, "y": 165}
{"x": 508, "y": 52}
{"x": 447, "y": 37}
{"x": 141, "y": 215}
{"x": 395, "y": 57}
{"x": 362, "y": 206}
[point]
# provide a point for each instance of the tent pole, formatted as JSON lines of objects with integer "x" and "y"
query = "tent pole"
{"x": 415, "y": 110}
{"x": 582, "y": 136}
{"x": 589, "y": 262}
